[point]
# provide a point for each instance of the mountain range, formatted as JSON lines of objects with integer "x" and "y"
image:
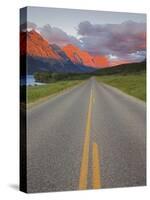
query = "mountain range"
{"x": 39, "y": 55}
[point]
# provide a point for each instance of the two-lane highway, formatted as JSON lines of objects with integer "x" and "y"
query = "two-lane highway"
{"x": 89, "y": 137}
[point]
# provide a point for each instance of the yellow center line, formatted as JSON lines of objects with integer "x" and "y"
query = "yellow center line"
{"x": 85, "y": 155}
{"x": 96, "y": 181}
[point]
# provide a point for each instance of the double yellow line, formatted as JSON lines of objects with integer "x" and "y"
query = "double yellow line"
{"x": 85, "y": 155}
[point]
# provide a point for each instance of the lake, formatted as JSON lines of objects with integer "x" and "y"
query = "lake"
{"x": 29, "y": 80}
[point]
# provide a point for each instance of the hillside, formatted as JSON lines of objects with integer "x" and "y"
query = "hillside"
{"x": 37, "y": 46}
{"x": 129, "y": 68}
{"x": 78, "y": 56}
{"x": 38, "y": 55}
{"x": 129, "y": 78}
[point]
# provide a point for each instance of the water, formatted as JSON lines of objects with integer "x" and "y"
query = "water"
{"x": 29, "y": 80}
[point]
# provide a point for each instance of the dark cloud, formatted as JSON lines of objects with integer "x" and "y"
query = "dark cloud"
{"x": 58, "y": 36}
{"x": 121, "y": 40}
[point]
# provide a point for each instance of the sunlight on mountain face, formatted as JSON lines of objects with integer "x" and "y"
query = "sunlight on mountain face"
{"x": 84, "y": 42}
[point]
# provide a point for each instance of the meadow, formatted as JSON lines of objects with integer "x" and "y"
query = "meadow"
{"x": 35, "y": 93}
{"x": 132, "y": 84}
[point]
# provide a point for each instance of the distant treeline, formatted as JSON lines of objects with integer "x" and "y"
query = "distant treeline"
{"x": 123, "y": 69}
{"x": 48, "y": 77}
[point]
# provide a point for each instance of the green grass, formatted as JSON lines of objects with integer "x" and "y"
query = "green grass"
{"x": 35, "y": 93}
{"x": 134, "y": 85}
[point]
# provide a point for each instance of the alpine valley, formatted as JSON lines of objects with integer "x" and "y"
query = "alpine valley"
{"x": 38, "y": 55}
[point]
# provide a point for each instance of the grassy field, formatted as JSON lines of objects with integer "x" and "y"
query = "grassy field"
{"x": 35, "y": 93}
{"x": 134, "y": 85}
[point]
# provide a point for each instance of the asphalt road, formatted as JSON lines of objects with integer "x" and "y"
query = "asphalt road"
{"x": 92, "y": 136}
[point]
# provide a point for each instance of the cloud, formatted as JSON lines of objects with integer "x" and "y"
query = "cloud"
{"x": 125, "y": 42}
{"x": 122, "y": 40}
{"x": 28, "y": 26}
{"x": 52, "y": 34}
{"x": 58, "y": 36}
{"x": 137, "y": 56}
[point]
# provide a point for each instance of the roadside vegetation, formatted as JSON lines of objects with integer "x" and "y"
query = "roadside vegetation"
{"x": 130, "y": 78}
{"x": 54, "y": 83}
{"x": 38, "y": 92}
{"x": 132, "y": 84}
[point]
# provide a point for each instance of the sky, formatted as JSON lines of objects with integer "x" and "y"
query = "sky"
{"x": 119, "y": 36}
